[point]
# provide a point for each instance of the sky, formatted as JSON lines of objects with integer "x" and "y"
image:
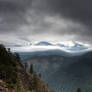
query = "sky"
{"x": 30, "y": 21}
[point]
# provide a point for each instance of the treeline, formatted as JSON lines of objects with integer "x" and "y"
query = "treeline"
{"x": 8, "y": 70}
{"x": 12, "y": 72}
{"x": 28, "y": 68}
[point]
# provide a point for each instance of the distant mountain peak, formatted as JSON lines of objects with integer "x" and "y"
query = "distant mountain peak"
{"x": 74, "y": 46}
{"x": 43, "y": 43}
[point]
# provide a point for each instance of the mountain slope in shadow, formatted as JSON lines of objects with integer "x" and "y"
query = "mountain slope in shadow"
{"x": 62, "y": 72}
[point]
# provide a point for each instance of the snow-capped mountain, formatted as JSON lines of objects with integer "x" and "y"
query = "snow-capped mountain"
{"x": 73, "y": 46}
{"x": 76, "y": 47}
{"x": 43, "y": 43}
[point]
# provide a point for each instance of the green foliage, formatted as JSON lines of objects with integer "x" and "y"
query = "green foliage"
{"x": 35, "y": 82}
{"x": 8, "y": 70}
{"x": 52, "y": 90}
{"x": 25, "y": 66}
{"x": 78, "y": 90}
{"x": 18, "y": 87}
{"x": 40, "y": 75}
{"x": 17, "y": 56}
{"x": 31, "y": 70}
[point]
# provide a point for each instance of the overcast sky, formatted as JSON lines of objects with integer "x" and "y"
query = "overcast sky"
{"x": 26, "y": 21}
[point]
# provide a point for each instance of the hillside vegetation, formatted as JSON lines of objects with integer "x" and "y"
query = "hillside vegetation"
{"x": 13, "y": 73}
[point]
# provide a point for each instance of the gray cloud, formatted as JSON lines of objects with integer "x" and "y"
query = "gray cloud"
{"x": 48, "y": 19}
{"x": 14, "y": 5}
{"x": 12, "y": 14}
{"x": 77, "y": 9}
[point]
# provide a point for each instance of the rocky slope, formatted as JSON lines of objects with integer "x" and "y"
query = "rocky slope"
{"x": 29, "y": 81}
{"x": 16, "y": 78}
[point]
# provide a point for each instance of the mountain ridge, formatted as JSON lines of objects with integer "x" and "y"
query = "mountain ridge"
{"x": 43, "y": 43}
{"x": 64, "y": 72}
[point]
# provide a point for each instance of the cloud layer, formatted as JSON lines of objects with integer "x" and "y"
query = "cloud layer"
{"x": 25, "y": 21}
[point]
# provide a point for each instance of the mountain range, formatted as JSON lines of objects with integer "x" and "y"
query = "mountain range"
{"x": 62, "y": 70}
{"x": 51, "y": 46}
{"x": 43, "y": 43}
{"x": 73, "y": 46}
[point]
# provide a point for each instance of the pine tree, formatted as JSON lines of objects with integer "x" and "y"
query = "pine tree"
{"x": 40, "y": 75}
{"x": 31, "y": 70}
{"x": 17, "y": 56}
{"x": 25, "y": 66}
{"x": 78, "y": 90}
{"x": 35, "y": 81}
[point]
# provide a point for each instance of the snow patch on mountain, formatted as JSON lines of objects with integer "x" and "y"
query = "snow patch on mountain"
{"x": 70, "y": 46}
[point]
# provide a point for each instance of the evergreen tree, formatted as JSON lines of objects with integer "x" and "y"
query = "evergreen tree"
{"x": 31, "y": 70}
{"x": 78, "y": 90}
{"x": 25, "y": 66}
{"x": 17, "y": 56}
{"x": 40, "y": 75}
{"x": 35, "y": 82}
{"x": 8, "y": 70}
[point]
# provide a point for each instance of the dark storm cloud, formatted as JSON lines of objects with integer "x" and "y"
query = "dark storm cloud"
{"x": 14, "y": 5}
{"x": 12, "y": 13}
{"x": 76, "y": 10}
{"x": 29, "y": 18}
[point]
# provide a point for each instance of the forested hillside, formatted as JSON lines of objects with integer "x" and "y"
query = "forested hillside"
{"x": 15, "y": 76}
